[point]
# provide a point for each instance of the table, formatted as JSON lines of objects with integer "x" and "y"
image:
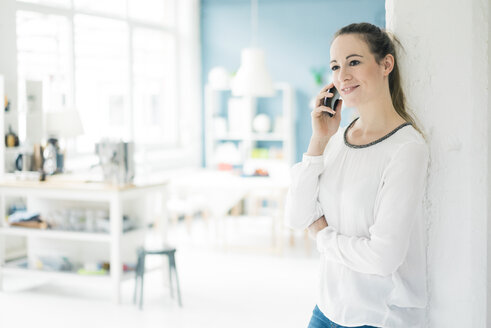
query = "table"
{"x": 222, "y": 190}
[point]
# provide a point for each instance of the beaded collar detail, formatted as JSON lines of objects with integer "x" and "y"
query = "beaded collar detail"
{"x": 373, "y": 142}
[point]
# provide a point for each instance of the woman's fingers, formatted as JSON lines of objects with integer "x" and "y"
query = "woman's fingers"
{"x": 327, "y": 87}
{"x": 323, "y": 109}
{"x": 339, "y": 105}
{"x": 322, "y": 95}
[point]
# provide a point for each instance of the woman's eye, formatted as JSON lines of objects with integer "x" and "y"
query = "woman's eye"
{"x": 351, "y": 63}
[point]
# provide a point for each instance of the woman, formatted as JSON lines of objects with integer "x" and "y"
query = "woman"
{"x": 359, "y": 191}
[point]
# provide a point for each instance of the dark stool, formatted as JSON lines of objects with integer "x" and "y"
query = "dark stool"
{"x": 140, "y": 271}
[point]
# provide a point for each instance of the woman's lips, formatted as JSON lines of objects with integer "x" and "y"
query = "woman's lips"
{"x": 349, "y": 90}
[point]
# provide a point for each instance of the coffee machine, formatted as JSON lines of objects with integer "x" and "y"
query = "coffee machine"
{"x": 117, "y": 161}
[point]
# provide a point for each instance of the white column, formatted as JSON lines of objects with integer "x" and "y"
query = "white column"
{"x": 445, "y": 69}
{"x": 488, "y": 319}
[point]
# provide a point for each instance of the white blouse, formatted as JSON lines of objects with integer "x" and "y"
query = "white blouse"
{"x": 373, "y": 252}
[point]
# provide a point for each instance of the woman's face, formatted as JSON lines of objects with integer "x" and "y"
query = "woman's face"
{"x": 356, "y": 74}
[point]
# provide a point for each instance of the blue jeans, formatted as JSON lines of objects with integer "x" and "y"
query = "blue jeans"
{"x": 319, "y": 320}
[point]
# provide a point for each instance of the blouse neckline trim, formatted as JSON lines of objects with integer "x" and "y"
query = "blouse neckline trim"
{"x": 373, "y": 142}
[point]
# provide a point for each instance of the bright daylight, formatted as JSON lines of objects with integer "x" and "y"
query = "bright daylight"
{"x": 245, "y": 163}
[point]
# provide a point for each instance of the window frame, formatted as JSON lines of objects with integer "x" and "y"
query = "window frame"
{"x": 187, "y": 150}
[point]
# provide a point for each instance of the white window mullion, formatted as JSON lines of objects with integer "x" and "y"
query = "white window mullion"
{"x": 178, "y": 114}
{"x": 42, "y": 9}
{"x": 131, "y": 83}
{"x": 72, "y": 101}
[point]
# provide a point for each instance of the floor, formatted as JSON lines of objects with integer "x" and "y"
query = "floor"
{"x": 239, "y": 287}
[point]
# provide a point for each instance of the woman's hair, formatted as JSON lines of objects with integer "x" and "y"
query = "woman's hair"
{"x": 381, "y": 43}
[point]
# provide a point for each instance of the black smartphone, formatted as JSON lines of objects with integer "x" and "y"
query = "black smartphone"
{"x": 333, "y": 101}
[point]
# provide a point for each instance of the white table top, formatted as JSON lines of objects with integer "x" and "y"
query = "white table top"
{"x": 70, "y": 182}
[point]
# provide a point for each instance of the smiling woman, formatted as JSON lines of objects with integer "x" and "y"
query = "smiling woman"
{"x": 371, "y": 57}
{"x": 359, "y": 191}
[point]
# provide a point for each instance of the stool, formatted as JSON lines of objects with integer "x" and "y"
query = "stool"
{"x": 140, "y": 271}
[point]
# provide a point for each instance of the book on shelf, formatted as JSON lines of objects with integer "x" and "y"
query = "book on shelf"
{"x": 31, "y": 224}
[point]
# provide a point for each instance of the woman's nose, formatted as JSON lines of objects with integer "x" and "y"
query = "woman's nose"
{"x": 344, "y": 74}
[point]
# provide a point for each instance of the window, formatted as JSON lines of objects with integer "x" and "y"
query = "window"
{"x": 154, "y": 86}
{"x": 43, "y": 54}
{"x": 102, "y": 77}
{"x": 114, "y": 60}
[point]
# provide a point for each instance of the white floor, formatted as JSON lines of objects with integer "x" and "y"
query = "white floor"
{"x": 236, "y": 288}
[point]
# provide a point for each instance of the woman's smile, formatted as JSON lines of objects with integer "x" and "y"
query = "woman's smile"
{"x": 348, "y": 90}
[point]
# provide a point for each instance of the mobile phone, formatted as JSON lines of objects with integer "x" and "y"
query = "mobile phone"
{"x": 333, "y": 101}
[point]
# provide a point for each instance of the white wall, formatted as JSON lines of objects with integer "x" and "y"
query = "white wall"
{"x": 446, "y": 81}
{"x": 489, "y": 176}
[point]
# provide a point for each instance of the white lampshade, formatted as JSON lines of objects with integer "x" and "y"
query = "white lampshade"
{"x": 63, "y": 124}
{"x": 252, "y": 78}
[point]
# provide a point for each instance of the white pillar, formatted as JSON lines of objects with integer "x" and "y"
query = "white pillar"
{"x": 489, "y": 170}
{"x": 445, "y": 69}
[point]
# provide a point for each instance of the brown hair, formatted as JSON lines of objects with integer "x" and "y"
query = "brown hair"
{"x": 381, "y": 43}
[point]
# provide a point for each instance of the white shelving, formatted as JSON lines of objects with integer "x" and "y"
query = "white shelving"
{"x": 13, "y": 268}
{"x": 229, "y": 120}
{"x": 116, "y": 247}
{"x": 252, "y": 137}
{"x": 246, "y": 140}
{"x": 63, "y": 234}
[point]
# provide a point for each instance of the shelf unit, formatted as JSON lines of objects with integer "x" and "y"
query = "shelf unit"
{"x": 7, "y": 119}
{"x": 64, "y": 234}
{"x": 229, "y": 119}
{"x": 247, "y": 139}
{"x": 12, "y": 267}
{"x": 115, "y": 246}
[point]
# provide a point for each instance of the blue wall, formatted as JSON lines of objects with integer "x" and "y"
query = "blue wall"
{"x": 295, "y": 36}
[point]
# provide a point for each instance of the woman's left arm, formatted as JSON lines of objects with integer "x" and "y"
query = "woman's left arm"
{"x": 398, "y": 205}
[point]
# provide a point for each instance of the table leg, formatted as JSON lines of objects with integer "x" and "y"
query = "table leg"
{"x": 163, "y": 218}
{"x": 280, "y": 220}
{"x": 116, "y": 217}
{"x": 3, "y": 212}
{"x": 2, "y": 259}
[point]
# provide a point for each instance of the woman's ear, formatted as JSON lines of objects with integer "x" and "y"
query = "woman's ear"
{"x": 388, "y": 64}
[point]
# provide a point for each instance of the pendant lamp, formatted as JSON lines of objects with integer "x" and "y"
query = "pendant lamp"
{"x": 252, "y": 78}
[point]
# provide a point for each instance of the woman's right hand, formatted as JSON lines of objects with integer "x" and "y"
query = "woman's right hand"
{"x": 324, "y": 126}
{"x": 317, "y": 226}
